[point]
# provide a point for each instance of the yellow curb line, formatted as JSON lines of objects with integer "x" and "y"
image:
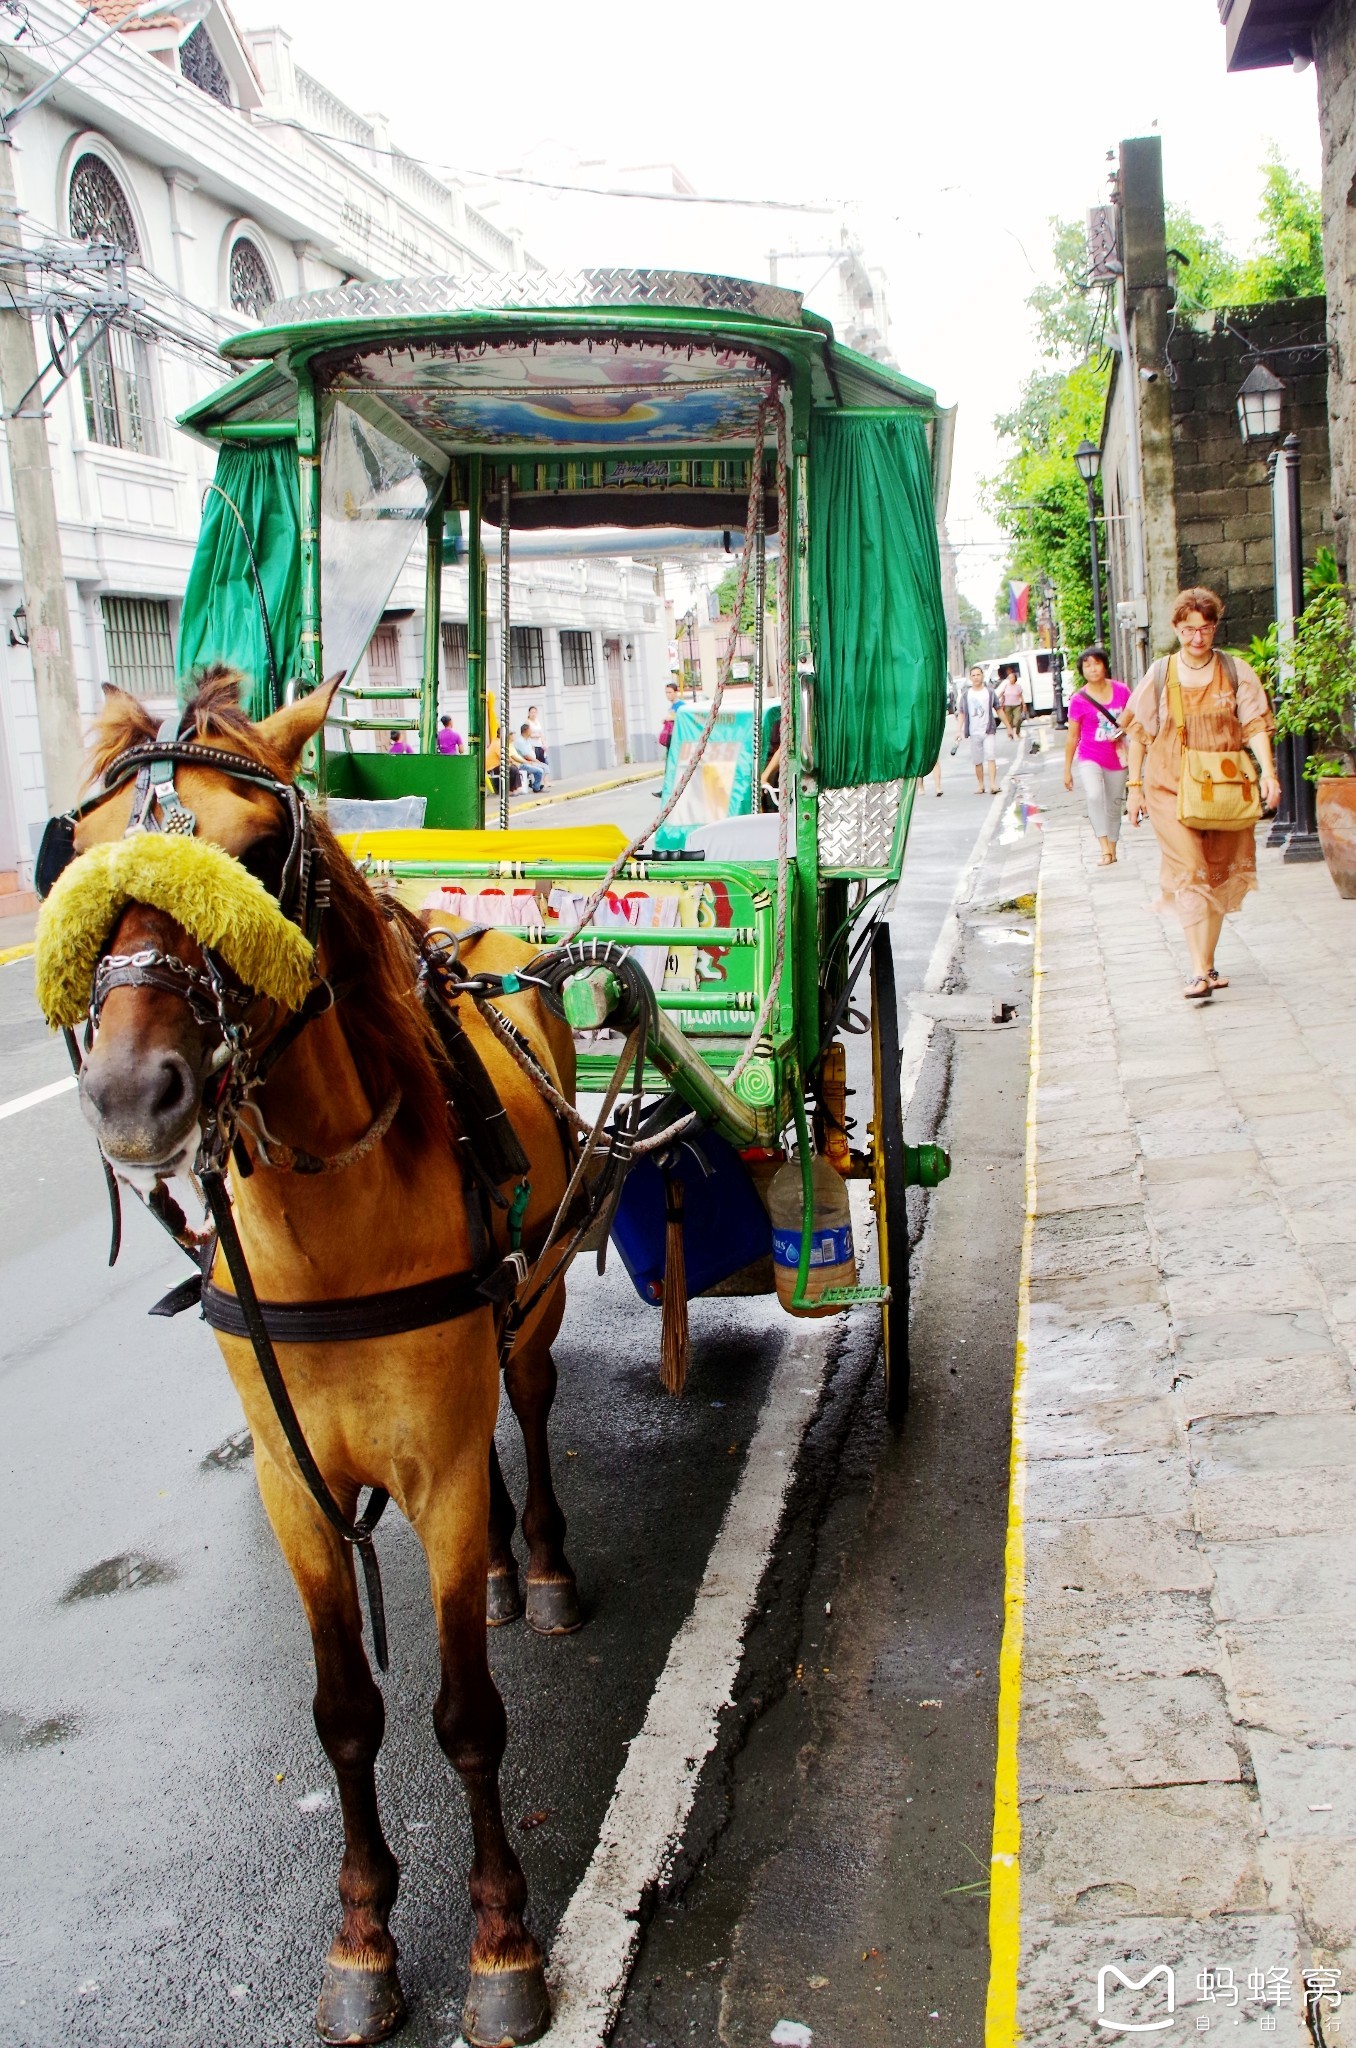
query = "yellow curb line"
{"x": 590, "y": 789}
{"x": 1005, "y": 1876}
{"x": 9, "y": 953}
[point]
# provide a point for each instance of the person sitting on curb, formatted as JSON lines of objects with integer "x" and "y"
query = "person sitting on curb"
{"x": 523, "y": 755}
{"x": 977, "y": 721}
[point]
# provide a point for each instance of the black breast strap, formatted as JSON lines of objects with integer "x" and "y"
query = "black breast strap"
{"x": 353, "y": 1319}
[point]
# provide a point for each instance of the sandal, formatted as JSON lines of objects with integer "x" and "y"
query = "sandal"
{"x": 1217, "y": 980}
{"x": 1201, "y": 986}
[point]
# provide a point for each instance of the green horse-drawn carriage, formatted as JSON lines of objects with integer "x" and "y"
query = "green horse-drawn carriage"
{"x": 377, "y": 417}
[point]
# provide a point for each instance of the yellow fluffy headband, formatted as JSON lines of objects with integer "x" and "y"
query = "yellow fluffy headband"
{"x": 216, "y": 900}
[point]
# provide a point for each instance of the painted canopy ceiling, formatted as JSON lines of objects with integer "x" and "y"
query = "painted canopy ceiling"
{"x": 565, "y": 394}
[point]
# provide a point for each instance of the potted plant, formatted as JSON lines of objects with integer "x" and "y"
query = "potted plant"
{"x": 1314, "y": 689}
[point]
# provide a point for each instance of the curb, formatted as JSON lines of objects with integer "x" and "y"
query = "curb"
{"x": 9, "y": 953}
{"x": 538, "y": 803}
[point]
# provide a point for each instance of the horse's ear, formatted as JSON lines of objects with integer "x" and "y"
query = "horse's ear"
{"x": 288, "y": 730}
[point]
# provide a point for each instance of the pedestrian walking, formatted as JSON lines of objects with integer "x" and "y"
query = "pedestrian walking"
{"x": 449, "y": 739}
{"x": 1187, "y": 725}
{"x": 399, "y": 744}
{"x": 1011, "y": 703}
{"x": 670, "y": 707}
{"x": 1096, "y": 747}
{"x": 977, "y": 721}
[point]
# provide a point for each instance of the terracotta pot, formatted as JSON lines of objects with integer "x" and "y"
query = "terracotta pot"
{"x": 1337, "y": 830}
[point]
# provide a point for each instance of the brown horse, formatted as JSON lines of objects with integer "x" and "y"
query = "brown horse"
{"x": 414, "y": 1414}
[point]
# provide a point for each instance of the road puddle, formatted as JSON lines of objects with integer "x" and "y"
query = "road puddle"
{"x": 17, "y": 1733}
{"x": 118, "y": 1575}
{"x": 236, "y": 1449}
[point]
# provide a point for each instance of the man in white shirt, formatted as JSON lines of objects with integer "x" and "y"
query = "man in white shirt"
{"x": 977, "y": 721}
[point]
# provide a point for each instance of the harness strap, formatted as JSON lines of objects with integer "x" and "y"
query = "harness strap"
{"x": 353, "y": 1319}
{"x": 254, "y": 1326}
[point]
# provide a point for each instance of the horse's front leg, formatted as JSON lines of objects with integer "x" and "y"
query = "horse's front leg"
{"x": 552, "y": 1594}
{"x": 360, "y": 1997}
{"x": 507, "y": 2000}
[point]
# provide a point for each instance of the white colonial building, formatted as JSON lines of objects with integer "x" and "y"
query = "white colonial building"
{"x": 231, "y": 178}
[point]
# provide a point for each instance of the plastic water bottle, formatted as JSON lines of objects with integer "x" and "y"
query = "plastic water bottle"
{"x": 833, "y": 1259}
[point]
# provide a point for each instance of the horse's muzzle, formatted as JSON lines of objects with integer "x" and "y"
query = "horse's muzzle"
{"x": 142, "y": 1103}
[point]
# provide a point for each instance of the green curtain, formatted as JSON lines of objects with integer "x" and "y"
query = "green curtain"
{"x": 876, "y": 620}
{"x": 221, "y": 618}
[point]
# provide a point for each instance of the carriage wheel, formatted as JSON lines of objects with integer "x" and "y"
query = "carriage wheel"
{"x": 889, "y": 1189}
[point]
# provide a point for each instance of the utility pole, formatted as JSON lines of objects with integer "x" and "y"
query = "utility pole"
{"x": 30, "y": 455}
{"x": 35, "y": 513}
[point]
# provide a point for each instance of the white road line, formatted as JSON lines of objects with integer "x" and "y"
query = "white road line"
{"x": 600, "y": 1929}
{"x": 38, "y": 1095}
{"x": 919, "y": 1029}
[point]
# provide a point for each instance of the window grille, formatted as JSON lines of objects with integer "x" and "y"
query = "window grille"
{"x": 99, "y": 208}
{"x": 456, "y": 670}
{"x": 139, "y": 645}
{"x": 527, "y": 661}
{"x": 576, "y": 659}
{"x": 116, "y": 376}
{"x": 251, "y": 285}
{"x": 201, "y": 66}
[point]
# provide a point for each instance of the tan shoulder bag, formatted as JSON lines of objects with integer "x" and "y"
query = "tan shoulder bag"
{"x": 1215, "y": 792}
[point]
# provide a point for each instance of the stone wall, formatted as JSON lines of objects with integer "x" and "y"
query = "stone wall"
{"x": 1223, "y": 499}
{"x": 1334, "y": 37}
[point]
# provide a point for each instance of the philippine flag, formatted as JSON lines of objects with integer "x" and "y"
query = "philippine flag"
{"x": 1019, "y": 596}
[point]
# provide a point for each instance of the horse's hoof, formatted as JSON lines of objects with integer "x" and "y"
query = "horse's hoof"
{"x": 358, "y": 2005}
{"x": 506, "y": 2008}
{"x": 553, "y": 1607}
{"x": 503, "y": 1598}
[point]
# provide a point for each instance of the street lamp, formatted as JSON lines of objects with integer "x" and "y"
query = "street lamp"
{"x": 1260, "y": 398}
{"x": 1048, "y": 594}
{"x": 1088, "y": 457}
{"x": 1261, "y": 402}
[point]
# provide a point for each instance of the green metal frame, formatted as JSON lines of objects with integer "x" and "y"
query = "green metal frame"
{"x": 281, "y": 395}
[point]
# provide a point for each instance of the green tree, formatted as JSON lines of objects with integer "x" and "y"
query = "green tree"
{"x": 1287, "y": 261}
{"x": 1211, "y": 274}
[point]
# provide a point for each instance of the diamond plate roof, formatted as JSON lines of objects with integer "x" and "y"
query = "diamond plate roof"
{"x": 408, "y": 297}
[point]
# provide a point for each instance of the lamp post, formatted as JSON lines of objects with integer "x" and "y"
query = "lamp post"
{"x": 1261, "y": 400}
{"x": 1056, "y": 667}
{"x": 1089, "y": 460}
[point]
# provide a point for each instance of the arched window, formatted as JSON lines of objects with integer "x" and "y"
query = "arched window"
{"x": 251, "y": 285}
{"x": 99, "y": 208}
{"x": 116, "y": 373}
{"x": 201, "y": 66}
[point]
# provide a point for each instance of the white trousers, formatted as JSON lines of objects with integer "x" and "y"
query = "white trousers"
{"x": 1105, "y": 794}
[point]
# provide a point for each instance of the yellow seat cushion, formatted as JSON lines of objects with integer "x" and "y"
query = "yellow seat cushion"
{"x": 563, "y": 843}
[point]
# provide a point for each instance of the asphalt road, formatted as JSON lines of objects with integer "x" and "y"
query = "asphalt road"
{"x": 169, "y": 1844}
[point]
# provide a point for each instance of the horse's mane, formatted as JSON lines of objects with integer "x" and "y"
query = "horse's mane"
{"x": 386, "y": 1027}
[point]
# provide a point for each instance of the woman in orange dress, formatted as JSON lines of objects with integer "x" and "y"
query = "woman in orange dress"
{"x": 1205, "y": 875}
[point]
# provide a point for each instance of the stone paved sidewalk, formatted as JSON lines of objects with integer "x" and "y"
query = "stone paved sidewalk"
{"x": 1187, "y": 1739}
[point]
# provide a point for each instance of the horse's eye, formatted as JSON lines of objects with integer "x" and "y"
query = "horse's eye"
{"x": 264, "y": 859}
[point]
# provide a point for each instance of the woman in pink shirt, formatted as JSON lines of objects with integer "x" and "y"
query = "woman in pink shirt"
{"x": 1096, "y": 745}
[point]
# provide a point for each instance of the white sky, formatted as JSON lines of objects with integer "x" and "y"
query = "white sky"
{"x": 954, "y": 128}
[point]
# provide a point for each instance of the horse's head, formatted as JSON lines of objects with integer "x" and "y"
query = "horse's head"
{"x": 165, "y": 937}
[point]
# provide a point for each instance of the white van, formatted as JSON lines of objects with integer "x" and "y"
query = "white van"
{"x": 1037, "y": 667}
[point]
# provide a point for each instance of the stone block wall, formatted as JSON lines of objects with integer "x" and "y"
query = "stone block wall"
{"x": 1334, "y": 37}
{"x": 1223, "y": 500}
